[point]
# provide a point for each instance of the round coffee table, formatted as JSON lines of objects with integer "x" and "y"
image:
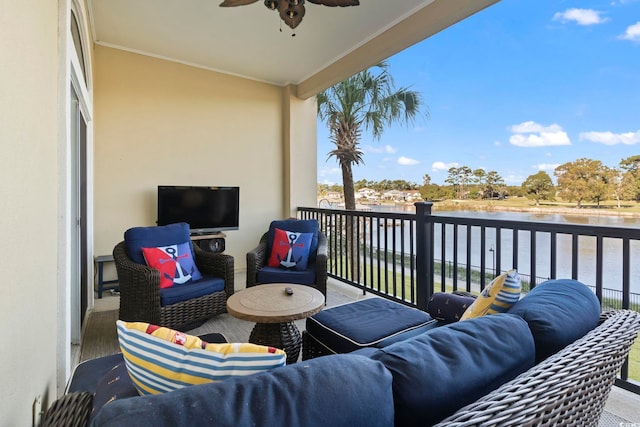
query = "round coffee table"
{"x": 274, "y": 311}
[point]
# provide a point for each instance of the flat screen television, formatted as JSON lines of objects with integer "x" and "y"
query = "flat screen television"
{"x": 205, "y": 209}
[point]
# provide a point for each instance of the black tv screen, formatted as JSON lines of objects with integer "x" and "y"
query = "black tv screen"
{"x": 205, "y": 209}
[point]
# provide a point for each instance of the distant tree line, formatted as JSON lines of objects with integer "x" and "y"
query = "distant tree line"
{"x": 580, "y": 181}
{"x": 587, "y": 180}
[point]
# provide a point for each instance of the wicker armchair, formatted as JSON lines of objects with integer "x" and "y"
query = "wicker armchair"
{"x": 257, "y": 259}
{"x": 140, "y": 291}
{"x": 569, "y": 388}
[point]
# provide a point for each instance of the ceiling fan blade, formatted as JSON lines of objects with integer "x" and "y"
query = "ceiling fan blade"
{"x": 232, "y": 3}
{"x": 332, "y": 3}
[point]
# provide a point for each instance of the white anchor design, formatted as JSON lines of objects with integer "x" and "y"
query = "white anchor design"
{"x": 181, "y": 275}
{"x": 288, "y": 261}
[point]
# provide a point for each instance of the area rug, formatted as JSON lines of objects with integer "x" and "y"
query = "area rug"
{"x": 99, "y": 337}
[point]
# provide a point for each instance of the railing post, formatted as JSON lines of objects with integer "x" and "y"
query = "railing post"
{"x": 424, "y": 254}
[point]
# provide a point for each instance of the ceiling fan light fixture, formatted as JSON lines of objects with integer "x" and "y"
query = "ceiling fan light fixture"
{"x": 291, "y": 15}
{"x": 271, "y": 4}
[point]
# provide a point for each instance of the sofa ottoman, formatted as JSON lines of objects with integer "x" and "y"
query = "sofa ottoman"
{"x": 372, "y": 322}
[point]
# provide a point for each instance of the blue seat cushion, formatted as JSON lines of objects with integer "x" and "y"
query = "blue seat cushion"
{"x": 137, "y": 238}
{"x": 372, "y": 322}
{"x": 439, "y": 372}
{"x": 558, "y": 313}
{"x": 115, "y": 384}
{"x": 86, "y": 375}
{"x": 299, "y": 226}
{"x": 178, "y": 293}
{"x": 303, "y": 394}
{"x": 280, "y": 275}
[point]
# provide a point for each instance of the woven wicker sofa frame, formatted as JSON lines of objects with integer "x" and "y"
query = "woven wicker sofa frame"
{"x": 569, "y": 388}
{"x": 257, "y": 258}
{"x": 140, "y": 291}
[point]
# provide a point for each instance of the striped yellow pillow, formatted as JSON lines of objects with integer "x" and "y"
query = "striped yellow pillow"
{"x": 159, "y": 359}
{"x": 497, "y": 297}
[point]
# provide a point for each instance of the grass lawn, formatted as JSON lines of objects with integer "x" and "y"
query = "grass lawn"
{"x": 634, "y": 361}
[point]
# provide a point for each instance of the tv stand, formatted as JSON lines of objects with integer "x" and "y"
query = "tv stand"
{"x": 210, "y": 242}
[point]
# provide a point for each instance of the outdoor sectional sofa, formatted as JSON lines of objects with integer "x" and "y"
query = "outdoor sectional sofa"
{"x": 551, "y": 360}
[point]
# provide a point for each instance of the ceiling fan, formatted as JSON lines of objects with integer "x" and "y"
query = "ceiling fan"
{"x": 291, "y": 11}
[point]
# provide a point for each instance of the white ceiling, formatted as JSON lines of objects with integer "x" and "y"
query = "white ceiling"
{"x": 246, "y": 40}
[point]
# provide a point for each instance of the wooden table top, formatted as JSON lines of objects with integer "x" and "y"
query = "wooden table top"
{"x": 270, "y": 303}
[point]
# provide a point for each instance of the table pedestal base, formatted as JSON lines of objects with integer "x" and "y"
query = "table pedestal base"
{"x": 285, "y": 336}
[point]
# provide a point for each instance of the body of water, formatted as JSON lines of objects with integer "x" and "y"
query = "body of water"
{"x": 612, "y": 265}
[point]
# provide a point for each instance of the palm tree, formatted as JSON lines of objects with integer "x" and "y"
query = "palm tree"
{"x": 366, "y": 101}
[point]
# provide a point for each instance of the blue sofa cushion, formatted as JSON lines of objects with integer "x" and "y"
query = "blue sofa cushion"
{"x": 205, "y": 286}
{"x": 299, "y": 226}
{"x": 137, "y": 238}
{"x": 558, "y": 313}
{"x": 115, "y": 384}
{"x": 86, "y": 375}
{"x": 304, "y": 394}
{"x": 441, "y": 371}
{"x": 280, "y": 275}
{"x": 371, "y": 322}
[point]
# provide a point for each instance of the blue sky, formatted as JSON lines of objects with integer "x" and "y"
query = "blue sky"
{"x": 520, "y": 87}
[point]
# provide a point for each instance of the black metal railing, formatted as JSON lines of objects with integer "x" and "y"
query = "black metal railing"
{"x": 407, "y": 257}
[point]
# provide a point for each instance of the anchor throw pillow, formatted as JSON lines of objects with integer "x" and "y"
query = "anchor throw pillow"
{"x": 174, "y": 262}
{"x": 290, "y": 250}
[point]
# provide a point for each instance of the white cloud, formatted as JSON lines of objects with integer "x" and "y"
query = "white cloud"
{"x": 532, "y": 134}
{"x": 387, "y": 149}
{"x": 531, "y": 127}
{"x": 547, "y": 167}
{"x": 580, "y": 16}
{"x": 632, "y": 33}
{"x": 610, "y": 138}
{"x": 325, "y": 172}
{"x": 441, "y": 166}
{"x": 406, "y": 161}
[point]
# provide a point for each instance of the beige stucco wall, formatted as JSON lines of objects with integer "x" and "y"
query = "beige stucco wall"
{"x": 28, "y": 212}
{"x": 163, "y": 123}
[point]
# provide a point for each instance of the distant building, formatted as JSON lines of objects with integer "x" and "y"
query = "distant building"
{"x": 368, "y": 194}
{"x": 395, "y": 195}
{"x": 412, "y": 196}
{"x": 333, "y": 196}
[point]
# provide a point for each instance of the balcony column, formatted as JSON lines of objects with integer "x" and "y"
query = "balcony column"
{"x": 300, "y": 151}
{"x": 424, "y": 254}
